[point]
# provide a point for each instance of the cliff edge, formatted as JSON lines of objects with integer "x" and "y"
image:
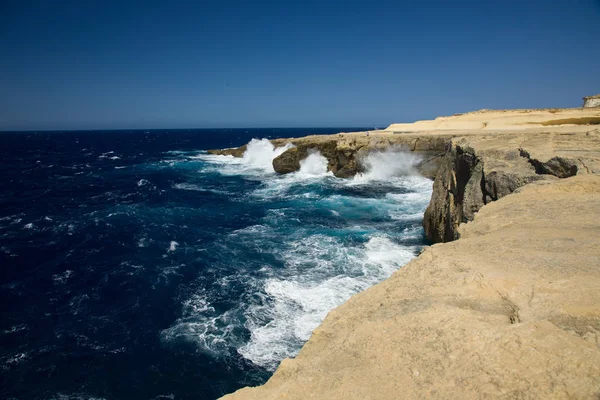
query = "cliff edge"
{"x": 509, "y": 310}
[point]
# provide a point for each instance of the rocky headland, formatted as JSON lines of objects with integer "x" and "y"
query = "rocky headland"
{"x": 509, "y": 310}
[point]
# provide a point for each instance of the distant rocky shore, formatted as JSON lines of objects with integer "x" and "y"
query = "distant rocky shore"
{"x": 510, "y": 310}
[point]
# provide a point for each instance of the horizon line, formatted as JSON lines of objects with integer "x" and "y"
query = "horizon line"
{"x": 177, "y": 129}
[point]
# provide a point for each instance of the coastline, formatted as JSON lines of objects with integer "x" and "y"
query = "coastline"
{"x": 509, "y": 307}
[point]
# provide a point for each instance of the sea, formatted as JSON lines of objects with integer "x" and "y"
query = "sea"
{"x": 134, "y": 265}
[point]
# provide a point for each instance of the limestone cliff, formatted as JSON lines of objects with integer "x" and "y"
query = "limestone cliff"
{"x": 477, "y": 170}
{"x": 470, "y": 169}
{"x": 511, "y": 309}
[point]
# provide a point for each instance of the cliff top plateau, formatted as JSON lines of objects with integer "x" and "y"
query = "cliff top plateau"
{"x": 506, "y": 120}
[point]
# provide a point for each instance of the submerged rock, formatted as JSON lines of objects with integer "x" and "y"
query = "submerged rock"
{"x": 234, "y": 151}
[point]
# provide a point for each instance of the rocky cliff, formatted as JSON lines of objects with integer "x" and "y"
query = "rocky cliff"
{"x": 510, "y": 310}
{"x": 345, "y": 151}
{"x": 470, "y": 169}
{"x": 477, "y": 170}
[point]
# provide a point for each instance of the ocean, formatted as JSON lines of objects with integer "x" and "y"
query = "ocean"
{"x": 134, "y": 265}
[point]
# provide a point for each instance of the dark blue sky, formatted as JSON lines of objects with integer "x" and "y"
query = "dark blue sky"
{"x": 150, "y": 64}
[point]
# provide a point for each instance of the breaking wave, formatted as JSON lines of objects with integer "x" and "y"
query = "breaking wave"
{"x": 260, "y": 154}
{"x": 314, "y": 164}
{"x": 152, "y": 269}
{"x": 387, "y": 164}
{"x": 319, "y": 241}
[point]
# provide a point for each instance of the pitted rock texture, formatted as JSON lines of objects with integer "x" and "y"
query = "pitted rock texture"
{"x": 511, "y": 309}
{"x": 479, "y": 169}
{"x": 508, "y": 311}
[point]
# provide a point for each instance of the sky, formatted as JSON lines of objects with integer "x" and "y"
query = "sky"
{"x": 205, "y": 64}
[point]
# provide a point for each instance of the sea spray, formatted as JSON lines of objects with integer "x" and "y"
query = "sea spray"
{"x": 315, "y": 164}
{"x": 180, "y": 309}
{"x": 260, "y": 154}
{"x": 383, "y": 165}
{"x": 312, "y": 172}
{"x": 326, "y": 272}
{"x": 320, "y": 240}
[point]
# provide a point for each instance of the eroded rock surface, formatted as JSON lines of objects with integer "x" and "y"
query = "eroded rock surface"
{"x": 479, "y": 169}
{"x": 234, "y": 151}
{"x": 345, "y": 151}
{"x": 511, "y": 310}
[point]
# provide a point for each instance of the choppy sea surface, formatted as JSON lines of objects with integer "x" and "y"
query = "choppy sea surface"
{"x": 133, "y": 265}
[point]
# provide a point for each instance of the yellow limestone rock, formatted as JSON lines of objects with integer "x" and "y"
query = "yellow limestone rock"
{"x": 510, "y": 310}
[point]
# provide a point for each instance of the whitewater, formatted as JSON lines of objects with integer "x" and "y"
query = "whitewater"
{"x": 321, "y": 240}
{"x": 135, "y": 265}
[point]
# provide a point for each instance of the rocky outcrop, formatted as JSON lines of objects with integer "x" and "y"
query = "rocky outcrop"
{"x": 560, "y": 167}
{"x": 344, "y": 152}
{"x": 463, "y": 185}
{"x": 591, "y": 101}
{"x": 477, "y": 170}
{"x": 343, "y": 163}
{"x": 457, "y": 194}
{"x": 234, "y": 151}
{"x": 469, "y": 170}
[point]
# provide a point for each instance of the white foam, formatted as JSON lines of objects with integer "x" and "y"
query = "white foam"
{"x": 314, "y": 164}
{"x": 16, "y": 359}
{"x": 188, "y": 186}
{"x": 298, "y": 275}
{"x": 320, "y": 272}
{"x": 15, "y": 328}
{"x": 325, "y": 273}
{"x": 383, "y": 165}
{"x": 201, "y": 324}
{"x": 62, "y": 278}
{"x": 173, "y": 246}
{"x": 108, "y": 155}
{"x": 259, "y": 154}
{"x": 256, "y": 162}
{"x": 388, "y": 256}
{"x": 197, "y": 188}
{"x": 313, "y": 170}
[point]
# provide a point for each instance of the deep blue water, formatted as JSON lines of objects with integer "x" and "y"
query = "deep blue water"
{"x": 135, "y": 266}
